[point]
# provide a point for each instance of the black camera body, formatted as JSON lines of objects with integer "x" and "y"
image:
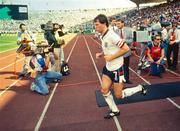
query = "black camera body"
{"x": 46, "y": 27}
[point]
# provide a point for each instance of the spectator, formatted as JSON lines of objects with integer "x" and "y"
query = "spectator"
{"x": 126, "y": 34}
{"x": 174, "y": 38}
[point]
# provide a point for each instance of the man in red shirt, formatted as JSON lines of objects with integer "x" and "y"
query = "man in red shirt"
{"x": 155, "y": 55}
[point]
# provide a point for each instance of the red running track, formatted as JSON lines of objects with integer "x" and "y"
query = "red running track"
{"x": 72, "y": 105}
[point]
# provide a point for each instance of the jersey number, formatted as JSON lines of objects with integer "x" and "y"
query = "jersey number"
{"x": 115, "y": 75}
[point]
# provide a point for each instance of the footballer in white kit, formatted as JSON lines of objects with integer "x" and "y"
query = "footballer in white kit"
{"x": 113, "y": 75}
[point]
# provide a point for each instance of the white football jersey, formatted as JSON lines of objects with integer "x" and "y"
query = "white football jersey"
{"x": 111, "y": 44}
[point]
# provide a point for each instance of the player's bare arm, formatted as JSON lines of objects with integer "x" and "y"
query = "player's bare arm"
{"x": 149, "y": 56}
{"x": 98, "y": 55}
{"x": 124, "y": 50}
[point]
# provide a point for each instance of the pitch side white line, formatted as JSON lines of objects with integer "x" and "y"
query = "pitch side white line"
{"x": 7, "y": 56}
{"x": 51, "y": 96}
{"x": 170, "y": 100}
{"x": 14, "y": 83}
{"x": 7, "y": 88}
{"x": 8, "y": 50}
{"x": 5, "y": 44}
{"x": 114, "y": 118}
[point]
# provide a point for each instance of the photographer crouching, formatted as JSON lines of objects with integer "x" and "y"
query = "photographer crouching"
{"x": 54, "y": 39}
{"x": 40, "y": 64}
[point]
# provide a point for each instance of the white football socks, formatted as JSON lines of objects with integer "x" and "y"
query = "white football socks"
{"x": 110, "y": 101}
{"x": 130, "y": 91}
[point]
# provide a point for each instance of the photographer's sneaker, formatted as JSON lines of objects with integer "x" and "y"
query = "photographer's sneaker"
{"x": 140, "y": 64}
{"x": 28, "y": 74}
{"x": 56, "y": 81}
{"x": 111, "y": 114}
{"x": 33, "y": 86}
{"x": 23, "y": 73}
{"x": 146, "y": 66}
{"x": 144, "y": 90}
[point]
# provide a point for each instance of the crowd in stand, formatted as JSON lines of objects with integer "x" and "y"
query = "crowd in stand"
{"x": 70, "y": 18}
{"x": 161, "y": 22}
{"x": 155, "y": 19}
{"x": 167, "y": 12}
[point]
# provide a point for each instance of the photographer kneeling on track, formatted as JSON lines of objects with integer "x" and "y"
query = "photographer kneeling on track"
{"x": 39, "y": 63}
{"x": 156, "y": 56}
{"x": 54, "y": 39}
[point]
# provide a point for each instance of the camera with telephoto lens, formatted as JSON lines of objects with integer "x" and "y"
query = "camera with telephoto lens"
{"x": 47, "y": 27}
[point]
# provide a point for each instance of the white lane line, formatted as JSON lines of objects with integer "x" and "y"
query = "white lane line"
{"x": 45, "y": 109}
{"x": 11, "y": 64}
{"x": 97, "y": 72}
{"x": 51, "y": 96}
{"x": 169, "y": 70}
{"x": 114, "y": 118}
{"x": 170, "y": 100}
{"x": 7, "y": 88}
{"x": 6, "y": 56}
{"x": 173, "y": 72}
{"x": 140, "y": 76}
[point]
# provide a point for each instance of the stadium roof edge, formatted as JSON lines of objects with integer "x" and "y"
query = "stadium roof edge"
{"x": 138, "y": 2}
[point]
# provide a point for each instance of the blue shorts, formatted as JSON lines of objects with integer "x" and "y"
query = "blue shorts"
{"x": 114, "y": 75}
{"x": 157, "y": 69}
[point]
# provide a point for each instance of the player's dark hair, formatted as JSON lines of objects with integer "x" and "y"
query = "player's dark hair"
{"x": 20, "y": 26}
{"x": 102, "y": 19}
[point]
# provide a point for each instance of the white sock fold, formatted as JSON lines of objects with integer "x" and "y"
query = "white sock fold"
{"x": 110, "y": 101}
{"x": 130, "y": 91}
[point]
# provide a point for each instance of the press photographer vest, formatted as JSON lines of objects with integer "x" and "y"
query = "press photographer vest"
{"x": 37, "y": 63}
